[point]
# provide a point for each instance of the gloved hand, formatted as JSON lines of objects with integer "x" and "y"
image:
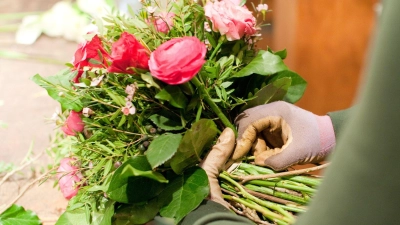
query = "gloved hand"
{"x": 281, "y": 135}
{"x": 215, "y": 161}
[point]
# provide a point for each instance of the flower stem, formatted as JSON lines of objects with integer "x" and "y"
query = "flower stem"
{"x": 216, "y": 49}
{"x": 204, "y": 94}
{"x": 287, "y": 217}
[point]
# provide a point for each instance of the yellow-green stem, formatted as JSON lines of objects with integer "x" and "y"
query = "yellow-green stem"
{"x": 204, "y": 94}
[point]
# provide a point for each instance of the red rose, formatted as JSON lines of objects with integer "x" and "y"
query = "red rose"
{"x": 177, "y": 60}
{"x": 86, "y": 51}
{"x": 127, "y": 53}
{"x": 73, "y": 124}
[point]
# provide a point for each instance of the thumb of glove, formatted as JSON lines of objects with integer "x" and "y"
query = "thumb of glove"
{"x": 215, "y": 161}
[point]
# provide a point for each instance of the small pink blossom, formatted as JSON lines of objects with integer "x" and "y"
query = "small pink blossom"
{"x": 262, "y": 7}
{"x": 230, "y": 19}
{"x": 68, "y": 177}
{"x": 128, "y": 109}
{"x": 73, "y": 124}
{"x": 164, "y": 22}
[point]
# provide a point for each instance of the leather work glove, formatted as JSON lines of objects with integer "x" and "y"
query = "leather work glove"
{"x": 214, "y": 163}
{"x": 281, "y": 135}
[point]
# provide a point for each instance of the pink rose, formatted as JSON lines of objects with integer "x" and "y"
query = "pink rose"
{"x": 164, "y": 22}
{"x": 73, "y": 124}
{"x": 86, "y": 51}
{"x": 128, "y": 53}
{"x": 177, "y": 60}
{"x": 230, "y": 19}
{"x": 68, "y": 175}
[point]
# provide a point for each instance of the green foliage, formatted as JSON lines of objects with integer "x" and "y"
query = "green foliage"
{"x": 193, "y": 143}
{"x": 186, "y": 192}
{"x": 16, "y": 214}
{"x": 134, "y": 181}
{"x": 162, "y": 149}
{"x": 60, "y": 89}
{"x": 145, "y": 160}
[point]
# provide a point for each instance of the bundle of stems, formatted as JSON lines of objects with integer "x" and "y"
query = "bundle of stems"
{"x": 268, "y": 197}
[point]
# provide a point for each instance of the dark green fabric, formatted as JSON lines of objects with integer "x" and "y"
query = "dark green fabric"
{"x": 210, "y": 213}
{"x": 362, "y": 184}
{"x": 339, "y": 119}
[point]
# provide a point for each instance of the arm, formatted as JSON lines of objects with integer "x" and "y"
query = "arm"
{"x": 361, "y": 185}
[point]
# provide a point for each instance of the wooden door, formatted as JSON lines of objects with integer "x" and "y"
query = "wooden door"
{"x": 326, "y": 42}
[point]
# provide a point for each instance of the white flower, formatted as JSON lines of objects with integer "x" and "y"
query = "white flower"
{"x": 95, "y": 8}
{"x": 87, "y": 112}
{"x": 151, "y": 9}
{"x": 96, "y": 81}
{"x": 207, "y": 27}
{"x": 262, "y": 7}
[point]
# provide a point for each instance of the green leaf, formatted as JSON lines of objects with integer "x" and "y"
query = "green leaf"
{"x": 297, "y": 87}
{"x": 60, "y": 89}
{"x": 134, "y": 181}
{"x": 16, "y": 214}
{"x": 282, "y": 53}
{"x": 265, "y": 63}
{"x": 104, "y": 216}
{"x": 76, "y": 217}
{"x": 199, "y": 137}
{"x": 272, "y": 92}
{"x": 118, "y": 99}
{"x": 166, "y": 123}
{"x": 162, "y": 148}
{"x": 174, "y": 95}
{"x": 150, "y": 81}
{"x": 184, "y": 193}
{"x": 140, "y": 213}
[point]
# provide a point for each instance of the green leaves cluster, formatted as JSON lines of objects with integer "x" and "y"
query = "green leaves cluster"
{"x": 16, "y": 214}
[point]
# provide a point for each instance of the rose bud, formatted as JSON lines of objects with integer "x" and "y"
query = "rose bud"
{"x": 73, "y": 124}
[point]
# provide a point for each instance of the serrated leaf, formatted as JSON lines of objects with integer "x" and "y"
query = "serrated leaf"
{"x": 272, "y": 92}
{"x": 166, "y": 123}
{"x": 265, "y": 63}
{"x": 194, "y": 142}
{"x": 184, "y": 194}
{"x": 16, "y": 214}
{"x": 162, "y": 149}
{"x": 134, "y": 181}
{"x": 174, "y": 95}
{"x": 60, "y": 89}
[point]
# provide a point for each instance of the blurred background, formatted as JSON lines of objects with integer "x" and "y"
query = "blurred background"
{"x": 326, "y": 41}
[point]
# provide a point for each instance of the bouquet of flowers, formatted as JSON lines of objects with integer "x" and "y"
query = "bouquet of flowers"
{"x": 146, "y": 96}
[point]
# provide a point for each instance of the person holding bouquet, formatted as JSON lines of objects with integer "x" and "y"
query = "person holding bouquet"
{"x": 361, "y": 184}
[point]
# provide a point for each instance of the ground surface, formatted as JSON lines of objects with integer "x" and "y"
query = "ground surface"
{"x": 24, "y": 107}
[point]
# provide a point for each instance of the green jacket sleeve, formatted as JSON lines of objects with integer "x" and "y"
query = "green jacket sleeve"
{"x": 361, "y": 186}
{"x": 339, "y": 119}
